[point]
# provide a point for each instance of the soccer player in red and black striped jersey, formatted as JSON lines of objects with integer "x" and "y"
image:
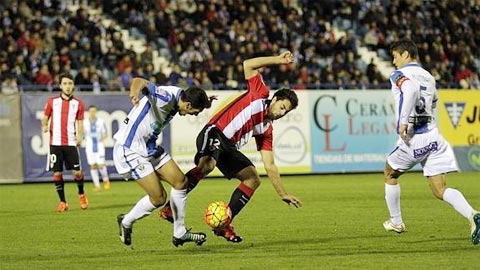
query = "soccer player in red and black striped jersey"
{"x": 249, "y": 115}
{"x": 65, "y": 115}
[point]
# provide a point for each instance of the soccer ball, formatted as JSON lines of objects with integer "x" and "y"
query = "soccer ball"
{"x": 217, "y": 215}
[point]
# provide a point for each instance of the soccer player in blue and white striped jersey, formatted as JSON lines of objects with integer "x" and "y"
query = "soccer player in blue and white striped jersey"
{"x": 415, "y": 95}
{"x": 138, "y": 153}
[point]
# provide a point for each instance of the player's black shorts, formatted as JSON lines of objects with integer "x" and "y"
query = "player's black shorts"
{"x": 60, "y": 155}
{"x": 212, "y": 142}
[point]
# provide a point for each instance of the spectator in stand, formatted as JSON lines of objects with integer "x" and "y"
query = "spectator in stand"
{"x": 83, "y": 79}
{"x": 475, "y": 82}
{"x": 125, "y": 78}
{"x": 374, "y": 76}
{"x": 463, "y": 75}
{"x": 55, "y": 69}
{"x": 189, "y": 56}
{"x": 160, "y": 77}
{"x": 175, "y": 75}
{"x": 124, "y": 63}
{"x": 230, "y": 26}
{"x": 149, "y": 71}
{"x": 97, "y": 84}
{"x": 147, "y": 55}
{"x": 138, "y": 72}
{"x": 9, "y": 85}
{"x": 43, "y": 76}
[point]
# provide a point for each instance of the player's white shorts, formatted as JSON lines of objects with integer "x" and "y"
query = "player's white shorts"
{"x": 132, "y": 165}
{"x": 96, "y": 157}
{"x": 430, "y": 149}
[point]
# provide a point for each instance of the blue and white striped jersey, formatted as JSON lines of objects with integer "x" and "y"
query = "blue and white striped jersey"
{"x": 143, "y": 125}
{"x": 94, "y": 130}
{"x": 416, "y": 98}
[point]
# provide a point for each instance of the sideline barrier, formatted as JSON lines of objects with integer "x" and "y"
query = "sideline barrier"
{"x": 351, "y": 131}
{"x": 10, "y": 140}
{"x": 331, "y": 131}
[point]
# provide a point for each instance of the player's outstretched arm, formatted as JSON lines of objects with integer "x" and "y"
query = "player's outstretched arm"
{"x": 251, "y": 66}
{"x": 274, "y": 176}
{"x": 136, "y": 89}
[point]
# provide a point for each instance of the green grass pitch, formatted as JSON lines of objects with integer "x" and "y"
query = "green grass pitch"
{"x": 339, "y": 227}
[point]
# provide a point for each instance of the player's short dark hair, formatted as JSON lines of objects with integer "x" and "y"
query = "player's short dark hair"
{"x": 65, "y": 75}
{"x": 405, "y": 45}
{"x": 285, "y": 93}
{"x": 197, "y": 97}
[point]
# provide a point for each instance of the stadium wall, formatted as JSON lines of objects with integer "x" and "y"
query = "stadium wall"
{"x": 330, "y": 132}
{"x": 11, "y": 170}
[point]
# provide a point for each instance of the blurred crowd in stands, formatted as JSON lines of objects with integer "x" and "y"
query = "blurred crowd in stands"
{"x": 205, "y": 42}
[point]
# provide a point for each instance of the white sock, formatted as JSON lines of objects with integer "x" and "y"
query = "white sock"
{"x": 95, "y": 179}
{"x": 104, "y": 174}
{"x": 143, "y": 208}
{"x": 392, "y": 197}
{"x": 178, "y": 201}
{"x": 458, "y": 202}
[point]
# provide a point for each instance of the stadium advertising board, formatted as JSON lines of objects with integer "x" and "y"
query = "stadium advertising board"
{"x": 10, "y": 139}
{"x": 459, "y": 113}
{"x": 351, "y": 131}
{"x": 112, "y": 108}
{"x": 291, "y": 137}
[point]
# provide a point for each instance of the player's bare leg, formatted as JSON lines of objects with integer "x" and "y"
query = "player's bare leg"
{"x": 455, "y": 198}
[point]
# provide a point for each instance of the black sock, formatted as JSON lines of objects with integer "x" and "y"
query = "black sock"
{"x": 79, "y": 180}
{"x": 59, "y": 184}
{"x": 240, "y": 197}
{"x": 194, "y": 176}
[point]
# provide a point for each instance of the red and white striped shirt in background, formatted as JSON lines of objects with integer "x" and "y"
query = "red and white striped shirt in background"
{"x": 246, "y": 116}
{"x": 63, "y": 114}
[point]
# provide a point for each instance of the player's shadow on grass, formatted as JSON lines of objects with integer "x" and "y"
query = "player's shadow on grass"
{"x": 435, "y": 239}
{"x": 126, "y": 206}
{"x": 322, "y": 246}
{"x": 305, "y": 244}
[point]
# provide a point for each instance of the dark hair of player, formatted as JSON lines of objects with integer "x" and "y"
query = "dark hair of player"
{"x": 285, "y": 93}
{"x": 197, "y": 97}
{"x": 403, "y": 45}
{"x": 66, "y": 75}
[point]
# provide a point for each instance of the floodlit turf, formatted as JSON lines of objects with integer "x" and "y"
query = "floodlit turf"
{"x": 339, "y": 227}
